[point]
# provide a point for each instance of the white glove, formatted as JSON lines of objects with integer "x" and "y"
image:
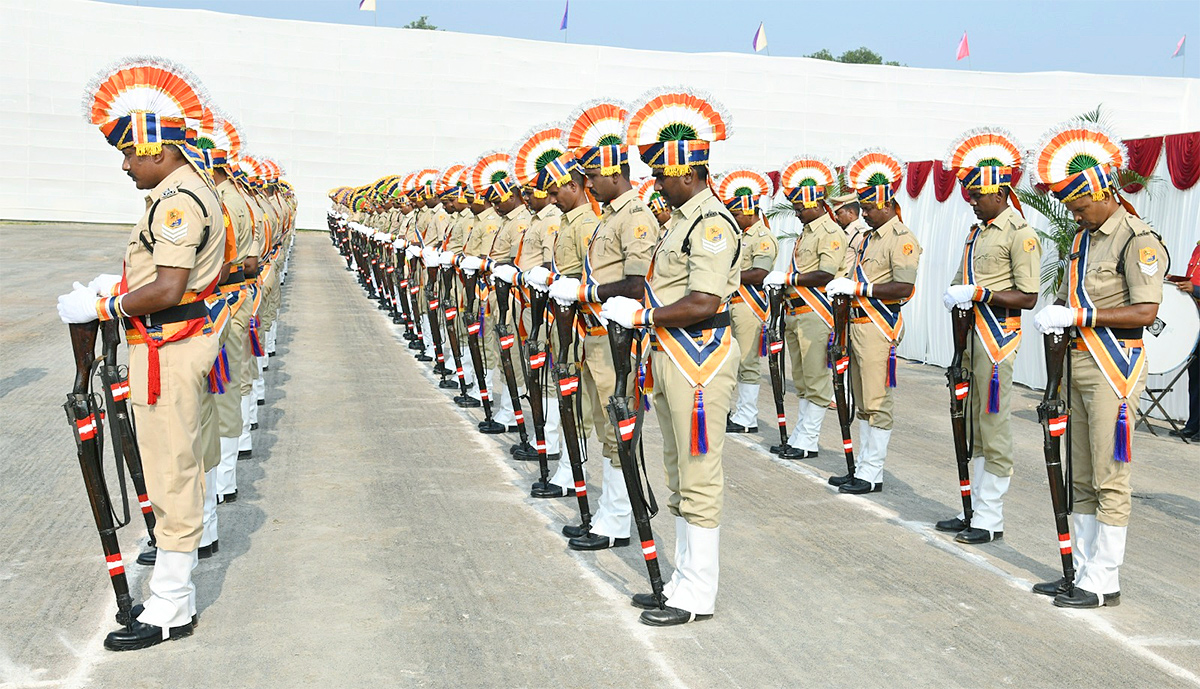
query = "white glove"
{"x": 413, "y": 251}
{"x": 431, "y": 256}
{"x": 104, "y": 284}
{"x": 961, "y": 295}
{"x": 381, "y": 237}
{"x": 471, "y": 263}
{"x": 620, "y": 310}
{"x": 447, "y": 258}
{"x": 1054, "y": 319}
{"x": 399, "y": 244}
{"x": 78, "y": 305}
{"x": 838, "y": 286}
{"x": 538, "y": 277}
{"x": 775, "y": 277}
{"x": 506, "y": 273}
{"x": 565, "y": 291}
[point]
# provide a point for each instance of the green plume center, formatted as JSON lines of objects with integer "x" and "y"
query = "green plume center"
{"x": 204, "y": 142}
{"x": 877, "y": 179}
{"x": 990, "y": 162}
{"x": 609, "y": 140}
{"x": 1080, "y": 163}
{"x": 808, "y": 182}
{"x": 497, "y": 176}
{"x": 677, "y": 131}
{"x": 744, "y": 191}
{"x": 544, "y": 159}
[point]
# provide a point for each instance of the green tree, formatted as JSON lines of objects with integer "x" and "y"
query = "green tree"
{"x": 422, "y": 23}
{"x": 858, "y": 56}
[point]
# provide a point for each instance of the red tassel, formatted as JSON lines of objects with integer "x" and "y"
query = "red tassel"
{"x": 255, "y": 345}
{"x": 1123, "y": 439}
{"x": 699, "y": 426}
{"x": 891, "y": 372}
{"x": 154, "y": 382}
{"x": 994, "y": 391}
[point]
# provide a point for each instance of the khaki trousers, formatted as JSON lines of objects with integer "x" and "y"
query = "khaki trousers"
{"x": 747, "y": 330}
{"x": 235, "y": 340}
{"x": 598, "y": 376}
{"x": 169, "y": 436}
{"x": 1101, "y": 483}
{"x": 808, "y": 347}
{"x": 697, "y": 484}
{"x": 991, "y": 433}
{"x": 869, "y": 351}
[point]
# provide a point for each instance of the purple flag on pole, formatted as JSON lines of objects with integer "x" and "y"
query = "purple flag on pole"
{"x": 566, "y": 9}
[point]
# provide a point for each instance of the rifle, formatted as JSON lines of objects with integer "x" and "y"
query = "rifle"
{"x": 84, "y": 417}
{"x": 774, "y": 335}
{"x": 507, "y": 339}
{"x": 568, "y": 386}
{"x": 958, "y": 379}
{"x": 377, "y": 271}
{"x": 451, "y": 314}
{"x": 628, "y": 425}
{"x": 1053, "y": 413}
{"x": 432, "y": 286}
{"x": 474, "y": 330}
{"x": 402, "y": 292}
{"x": 839, "y": 356}
{"x": 535, "y": 376}
{"x": 124, "y": 435}
{"x": 414, "y": 290}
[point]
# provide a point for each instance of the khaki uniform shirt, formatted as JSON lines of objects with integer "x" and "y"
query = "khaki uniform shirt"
{"x": 711, "y": 266}
{"x": 759, "y": 248}
{"x": 891, "y": 255}
{"x": 571, "y": 243}
{"x": 483, "y": 231}
{"x": 1145, "y": 264}
{"x": 1008, "y": 255}
{"x": 527, "y": 251}
{"x": 504, "y": 242}
{"x": 623, "y": 244}
{"x": 822, "y": 246}
{"x": 460, "y": 229}
{"x": 177, "y": 227}
{"x": 547, "y": 222}
{"x": 239, "y": 217}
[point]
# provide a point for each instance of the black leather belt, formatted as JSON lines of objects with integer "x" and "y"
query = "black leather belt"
{"x": 239, "y": 276}
{"x": 717, "y": 320}
{"x": 1127, "y": 333}
{"x": 175, "y": 314}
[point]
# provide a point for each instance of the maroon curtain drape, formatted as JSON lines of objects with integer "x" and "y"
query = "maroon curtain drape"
{"x": 1183, "y": 158}
{"x": 944, "y": 181}
{"x": 1143, "y": 158}
{"x": 915, "y": 177}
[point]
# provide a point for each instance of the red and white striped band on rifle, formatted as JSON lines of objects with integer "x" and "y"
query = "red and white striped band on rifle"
{"x": 1058, "y": 425}
{"x": 964, "y": 486}
{"x": 485, "y": 395}
{"x": 848, "y": 445}
{"x": 459, "y": 372}
{"x": 86, "y": 427}
{"x": 649, "y": 551}
{"x": 473, "y": 328}
{"x": 120, "y": 390}
{"x": 537, "y": 360}
{"x": 568, "y": 386}
{"x": 961, "y": 390}
{"x": 441, "y": 358}
{"x": 403, "y": 283}
{"x": 842, "y": 365}
{"x": 540, "y": 446}
{"x": 506, "y": 342}
{"x": 414, "y": 290}
{"x": 451, "y": 313}
{"x": 580, "y": 488}
{"x": 776, "y": 347}
{"x": 1064, "y": 543}
{"x": 433, "y": 305}
{"x": 520, "y": 414}
{"x": 114, "y": 564}
{"x": 782, "y": 418}
{"x": 144, "y": 503}
{"x": 391, "y": 269}
{"x": 625, "y": 426}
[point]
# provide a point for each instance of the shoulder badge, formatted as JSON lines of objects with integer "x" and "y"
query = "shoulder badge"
{"x": 552, "y": 228}
{"x": 715, "y": 239}
{"x": 907, "y": 248}
{"x": 834, "y": 245}
{"x": 1148, "y": 260}
{"x": 174, "y": 229}
{"x": 641, "y": 232}
{"x": 765, "y": 246}
{"x": 1029, "y": 244}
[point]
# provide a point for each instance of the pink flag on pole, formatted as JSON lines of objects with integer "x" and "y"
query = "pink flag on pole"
{"x": 963, "y": 49}
{"x": 1179, "y": 47}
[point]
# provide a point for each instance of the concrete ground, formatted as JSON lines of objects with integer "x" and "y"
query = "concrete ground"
{"x": 379, "y": 540}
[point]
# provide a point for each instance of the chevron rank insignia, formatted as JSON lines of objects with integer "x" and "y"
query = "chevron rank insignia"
{"x": 714, "y": 238}
{"x": 174, "y": 229}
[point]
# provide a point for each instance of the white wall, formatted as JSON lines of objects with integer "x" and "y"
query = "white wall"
{"x": 340, "y": 104}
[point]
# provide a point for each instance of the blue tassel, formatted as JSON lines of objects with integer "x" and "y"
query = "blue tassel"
{"x": 224, "y": 365}
{"x": 828, "y": 345}
{"x": 1123, "y": 438}
{"x": 891, "y": 373}
{"x": 994, "y": 391}
{"x": 699, "y": 426}
{"x": 762, "y": 342}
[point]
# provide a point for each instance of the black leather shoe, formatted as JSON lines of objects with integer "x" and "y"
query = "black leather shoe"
{"x": 148, "y": 557}
{"x": 1080, "y": 598}
{"x": 574, "y": 530}
{"x": 139, "y": 635}
{"x": 789, "y": 452}
{"x": 416, "y": 343}
{"x": 422, "y": 356}
{"x": 254, "y": 427}
{"x": 645, "y": 601}
{"x": 261, "y": 402}
{"x": 592, "y": 541}
{"x": 1051, "y": 588}
{"x": 857, "y": 486}
{"x": 1185, "y": 432}
{"x": 441, "y": 370}
{"x": 245, "y": 454}
{"x": 396, "y": 319}
{"x": 467, "y": 402}
{"x": 409, "y": 336}
{"x": 270, "y": 354}
{"x": 549, "y": 490}
{"x": 229, "y": 497}
{"x": 977, "y": 536}
{"x": 731, "y": 427}
{"x": 448, "y": 384}
{"x": 954, "y": 525}
{"x": 491, "y": 427}
{"x": 670, "y": 617}
{"x": 136, "y": 612}
{"x": 206, "y": 551}
{"x": 523, "y": 452}
{"x": 841, "y": 480}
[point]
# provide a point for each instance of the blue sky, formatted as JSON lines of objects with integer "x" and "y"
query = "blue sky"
{"x": 1129, "y": 37}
